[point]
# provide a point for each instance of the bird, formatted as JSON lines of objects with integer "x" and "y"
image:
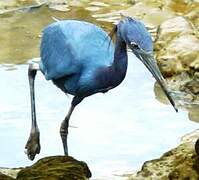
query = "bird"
{"x": 81, "y": 59}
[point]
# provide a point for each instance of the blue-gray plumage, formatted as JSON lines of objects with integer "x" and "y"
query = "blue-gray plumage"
{"x": 81, "y": 60}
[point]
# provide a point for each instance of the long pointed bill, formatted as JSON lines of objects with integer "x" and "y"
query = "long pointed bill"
{"x": 149, "y": 62}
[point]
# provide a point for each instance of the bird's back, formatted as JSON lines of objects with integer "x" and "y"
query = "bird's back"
{"x": 71, "y": 47}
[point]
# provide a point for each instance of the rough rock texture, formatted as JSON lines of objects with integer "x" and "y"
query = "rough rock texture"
{"x": 10, "y": 172}
{"x": 180, "y": 163}
{"x": 49, "y": 168}
{"x": 5, "y": 177}
{"x": 12, "y": 5}
{"x": 56, "y": 168}
{"x": 175, "y": 30}
{"x": 59, "y": 5}
{"x": 177, "y": 47}
{"x": 174, "y": 25}
{"x": 177, "y": 54}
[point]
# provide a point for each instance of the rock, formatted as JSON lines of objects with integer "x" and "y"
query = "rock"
{"x": 15, "y": 5}
{"x": 53, "y": 168}
{"x": 191, "y": 87}
{"x": 150, "y": 12}
{"x": 193, "y": 17}
{"x": 174, "y": 27}
{"x": 59, "y": 7}
{"x": 182, "y": 7}
{"x": 5, "y": 177}
{"x": 11, "y": 172}
{"x": 56, "y": 168}
{"x": 176, "y": 47}
{"x": 179, "y": 163}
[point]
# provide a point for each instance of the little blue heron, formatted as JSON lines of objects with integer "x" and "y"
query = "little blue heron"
{"x": 81, "y": 60}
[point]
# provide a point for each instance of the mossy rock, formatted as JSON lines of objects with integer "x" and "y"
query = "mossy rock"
{"x": 180, "y": 163}
{"x": 56, "y": 168}
{"x": 4, "y": 177}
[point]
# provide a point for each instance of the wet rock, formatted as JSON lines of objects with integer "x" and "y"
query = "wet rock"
{"x": 15, "y": 5}
{"x": 173, "y": 27}
{"x": 179, "y": 163}
{"x": 193, "y": 17}
{"x": 53, "y": 168}
{"x": 59, "y": 7}
{"x": 150, "y": 12}
{"x": 182, "y": 7}
{"x": 5, "y": 177}
{"x": 176, "y": 47}
{"x": 11, "y": 172}
{"x": 56, "y": 168}
{"x": 191, "y": 87}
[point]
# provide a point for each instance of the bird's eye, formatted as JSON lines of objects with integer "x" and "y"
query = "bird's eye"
{"x": 134, "y": 45}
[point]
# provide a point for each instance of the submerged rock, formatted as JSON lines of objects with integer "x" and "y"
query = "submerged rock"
{"x": 179, "y": 163}
{"x": 54, "y": 168}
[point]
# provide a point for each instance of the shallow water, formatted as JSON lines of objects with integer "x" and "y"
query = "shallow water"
{"x": 21, "y": 30}
{"x": 116, "y": 132}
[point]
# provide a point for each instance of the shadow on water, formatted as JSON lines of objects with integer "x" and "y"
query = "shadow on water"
{"x": 116, "y": 132}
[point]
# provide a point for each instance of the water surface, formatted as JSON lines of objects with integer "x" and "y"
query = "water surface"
{"x": 21, "y": 30}
{"x": 116, "y": 132}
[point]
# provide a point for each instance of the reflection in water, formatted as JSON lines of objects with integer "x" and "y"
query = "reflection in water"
{"x": 116, "y": 132}
{"x": 159, "y": 94}
{"x": 192, "y": 109}
{"x": 20, "y": 34}
{"x": 20, "y": 31}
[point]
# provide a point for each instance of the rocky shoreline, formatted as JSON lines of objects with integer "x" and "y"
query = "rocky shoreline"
{"x": 176, "y": 49}
{"x": 181, "y": 162}
{"x": 174, "y": 26}
{"x": 53, "y": 168}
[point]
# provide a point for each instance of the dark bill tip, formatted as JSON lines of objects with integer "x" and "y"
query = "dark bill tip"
{"x": 148, "y": 60}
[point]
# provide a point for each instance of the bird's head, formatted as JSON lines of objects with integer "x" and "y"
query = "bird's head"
{"x": 139, "y": 40}
{"x": 135, "y": 34}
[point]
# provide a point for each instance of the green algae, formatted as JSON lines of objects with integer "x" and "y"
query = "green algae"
{"x": 56, "y": 168}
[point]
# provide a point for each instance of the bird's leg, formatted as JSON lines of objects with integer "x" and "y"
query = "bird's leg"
{"x": 33, "y": 144}
{"x": 65, "y": 123}
{"x": 64, "y": 130}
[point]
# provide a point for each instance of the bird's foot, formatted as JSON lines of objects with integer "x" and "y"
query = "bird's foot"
{"x": 33, "y": 145}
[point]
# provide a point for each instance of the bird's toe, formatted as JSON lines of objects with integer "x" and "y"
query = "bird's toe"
{"x": 32, "y": 146}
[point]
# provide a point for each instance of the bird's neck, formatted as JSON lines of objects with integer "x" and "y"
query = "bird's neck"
{"x": 120, "y": 60}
